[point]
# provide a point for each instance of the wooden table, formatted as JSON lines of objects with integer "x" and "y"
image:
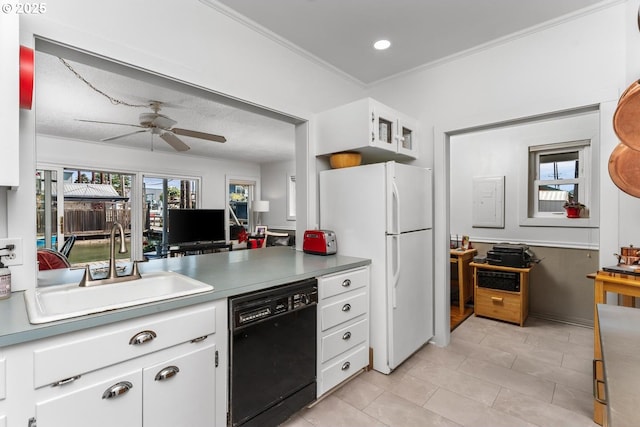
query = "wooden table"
{"x": 626, "y": 285}
{"x": 463, "y": 258}
{"x": 498, "y": 303}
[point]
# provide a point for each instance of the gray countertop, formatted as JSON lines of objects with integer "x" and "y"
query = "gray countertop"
{"x": 230, "y": 273}
{"x": 620, "y": 340}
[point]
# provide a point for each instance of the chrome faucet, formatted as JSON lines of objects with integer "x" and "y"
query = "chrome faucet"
{"x": 112, "y": 249}
{"x": 112, "y": 275}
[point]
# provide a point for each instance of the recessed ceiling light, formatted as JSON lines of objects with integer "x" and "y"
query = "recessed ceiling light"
{"x": 382, "y": 44}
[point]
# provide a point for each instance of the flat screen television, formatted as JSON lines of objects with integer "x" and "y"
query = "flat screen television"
{"x": 196, "y": 225}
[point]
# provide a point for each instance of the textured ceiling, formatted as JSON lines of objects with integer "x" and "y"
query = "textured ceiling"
{"x": 62, "y": 99}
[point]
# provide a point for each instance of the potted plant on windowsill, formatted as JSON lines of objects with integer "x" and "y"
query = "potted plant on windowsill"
{"x": 573, "y": 209}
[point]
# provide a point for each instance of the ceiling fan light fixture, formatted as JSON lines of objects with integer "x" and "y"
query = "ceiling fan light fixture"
{"x": 382, "y": 44}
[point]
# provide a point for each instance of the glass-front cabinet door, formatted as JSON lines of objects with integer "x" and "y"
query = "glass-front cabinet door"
{"x": 407, "y": 136}
{"x": 384, "y": 127}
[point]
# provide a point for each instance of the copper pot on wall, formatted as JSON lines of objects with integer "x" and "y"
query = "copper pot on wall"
{"x": 629, "y": 255}
{"x": 624, "y": 162}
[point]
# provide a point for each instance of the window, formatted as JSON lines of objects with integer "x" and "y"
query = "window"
{"x": 80, "y": 209}
{"x": 558, "y": 173}
{"x": 161, "y": 194}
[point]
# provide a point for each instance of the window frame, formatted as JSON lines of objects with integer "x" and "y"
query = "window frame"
{"x": 583, "y": 148}
{"x": 136, "y": 202}
{"x": 587, "y": 183}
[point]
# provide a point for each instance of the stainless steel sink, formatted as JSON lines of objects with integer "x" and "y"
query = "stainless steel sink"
{"x": 48, "y": 304}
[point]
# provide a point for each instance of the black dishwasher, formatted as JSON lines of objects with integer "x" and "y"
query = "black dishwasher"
{"x": 272, "y": 345}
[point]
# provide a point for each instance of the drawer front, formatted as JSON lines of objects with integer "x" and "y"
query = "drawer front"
{"x": 336, "y": 284}
{"x": 344, "y": 339}
{"x": 343, "y": 368}
{"x": 116, "y": 401}
{"x": 73, "y": 354}
{"x": 498, "y": 305}
{"x": 343, "y": 310}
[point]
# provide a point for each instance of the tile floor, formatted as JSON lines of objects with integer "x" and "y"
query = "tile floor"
{"x": 492, "y": 374}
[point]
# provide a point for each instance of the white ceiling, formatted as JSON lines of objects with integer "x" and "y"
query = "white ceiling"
{"x": 336, "y": 33}
{"x": 342, "y": 32}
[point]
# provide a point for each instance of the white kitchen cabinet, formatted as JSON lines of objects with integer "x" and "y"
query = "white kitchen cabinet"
{"x": 180, "y": 391}
{"x": 343, "y": 327}
{"x": 3, "y": 389}
{"x": 166, "y": 369}
{"x": 9, "y": 101}
{"x": 116, "y": 401}
{"x": 369, "y": 127}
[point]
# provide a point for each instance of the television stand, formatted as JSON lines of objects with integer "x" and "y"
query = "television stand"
{"x": 197, "y": 248}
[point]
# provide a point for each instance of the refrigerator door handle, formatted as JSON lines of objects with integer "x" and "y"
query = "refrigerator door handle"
{"x": 395, "y": 195}
{"x": 395, "y": 279}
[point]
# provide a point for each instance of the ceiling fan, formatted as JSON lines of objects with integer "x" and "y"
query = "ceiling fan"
{"x": 159, "y": 124}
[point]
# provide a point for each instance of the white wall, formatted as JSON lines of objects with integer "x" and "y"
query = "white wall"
{"x": 504, "y": 152}
{"x": 570, "y": 64}
{"x": 273, "y": 178}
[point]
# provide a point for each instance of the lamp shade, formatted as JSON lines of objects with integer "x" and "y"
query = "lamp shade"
{"x": 261, "y": 206}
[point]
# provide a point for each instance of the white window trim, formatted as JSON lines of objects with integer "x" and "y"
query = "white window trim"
{"x": 589, "y": 198}
{"x": 583, "y": 180}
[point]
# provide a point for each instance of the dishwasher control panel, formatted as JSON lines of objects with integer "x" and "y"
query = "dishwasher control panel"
{"x": 262, "y": 305}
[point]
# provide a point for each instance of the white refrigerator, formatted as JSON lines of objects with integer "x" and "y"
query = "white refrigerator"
{"x": 383, "y": 211}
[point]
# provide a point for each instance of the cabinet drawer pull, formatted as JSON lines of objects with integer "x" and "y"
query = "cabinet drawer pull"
{"x": 117, "y": 390}
{"x": 346, "y": 283}
{"x": 199, "y": 339}
{"x": 346, "y": 365}
{"x": 346, "y": 335}
{"x": 597, "y": 382}
{"x": 66, "y": 381}
{"x": 496, "y": 299}
{"x": 166, "y": 373}
{"x": 346, "y": 307}
{"x": 142, "y": 337}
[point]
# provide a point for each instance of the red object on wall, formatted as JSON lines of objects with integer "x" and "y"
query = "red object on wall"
{"x": 26, "y": 77}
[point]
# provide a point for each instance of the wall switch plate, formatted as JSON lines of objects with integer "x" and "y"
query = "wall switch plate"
{"x": 14, "y": 256}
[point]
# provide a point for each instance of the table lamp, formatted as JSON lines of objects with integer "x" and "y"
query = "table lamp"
{"x": 260, "y": 206}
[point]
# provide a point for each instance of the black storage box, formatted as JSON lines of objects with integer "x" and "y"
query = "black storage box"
{"x": 510, "y": 255}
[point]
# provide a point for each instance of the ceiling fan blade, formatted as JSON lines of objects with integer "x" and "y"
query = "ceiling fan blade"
{"x": 123, "y": 135}
{"x": 201, "y": 135}
{"x": 174, "y": 141}
{"x": 108, "y": 123}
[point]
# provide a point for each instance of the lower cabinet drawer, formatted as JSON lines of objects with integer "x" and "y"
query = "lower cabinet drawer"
{"x": 343, "y": 339}
{"x": 498, "y": 305}
{"x": 344, "y": 310}
{"x": 335, "y": 373}
{"x": 65, "y": 356}
{"x": 342, "y": 282}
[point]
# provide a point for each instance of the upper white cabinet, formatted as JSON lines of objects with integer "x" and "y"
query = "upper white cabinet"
{"x": 9, "y": 101}
{"x": 369, "y": 127}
